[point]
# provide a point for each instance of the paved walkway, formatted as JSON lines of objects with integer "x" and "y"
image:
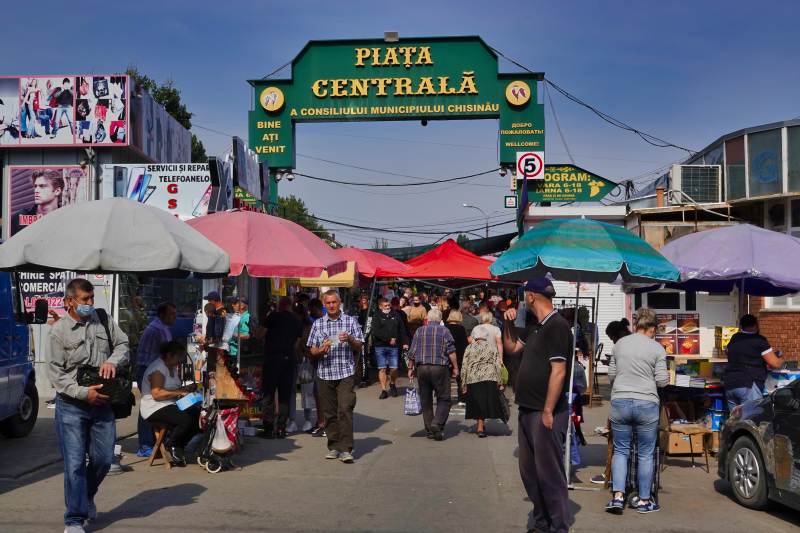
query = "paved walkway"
{"x": 401, "y": 481}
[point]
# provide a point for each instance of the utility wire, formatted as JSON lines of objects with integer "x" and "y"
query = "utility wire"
{"x": 414, "y": 184}
{"x": 417, "y": 232}
{"x": 280, "y": 68}
{"x": 646, "y": 137}
{"x": 558, "y": 125}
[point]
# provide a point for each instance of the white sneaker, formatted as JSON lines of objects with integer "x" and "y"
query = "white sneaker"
{"x": 292, "y": 427}
{"x": 346, "y": 457}
{"x": 332, "y": 454}
{"x": 307, "y": 426}
{"x": 74, "y": 529}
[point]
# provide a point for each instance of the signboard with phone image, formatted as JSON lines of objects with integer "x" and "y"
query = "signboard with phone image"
{"x": 183, "y": 189}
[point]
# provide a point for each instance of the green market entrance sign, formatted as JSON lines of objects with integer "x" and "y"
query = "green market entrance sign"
{"x": 568, "y": 183}
{"x": 438, "y": 78}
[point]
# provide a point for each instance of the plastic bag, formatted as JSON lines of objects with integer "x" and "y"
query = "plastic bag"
{"x": 411, "y": 404}
{"x": 305, "y": 372}
{"x": 221, "y": 443}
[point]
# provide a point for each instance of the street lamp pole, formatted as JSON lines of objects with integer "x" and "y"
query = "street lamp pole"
{"x": 483, "y": 213}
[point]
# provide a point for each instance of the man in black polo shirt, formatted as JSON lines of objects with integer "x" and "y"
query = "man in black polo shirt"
{"x": 541, "y": 388}
{"x": 749, "y": 355}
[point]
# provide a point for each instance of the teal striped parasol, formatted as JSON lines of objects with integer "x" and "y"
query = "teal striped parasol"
{"x": 583, "y": 250}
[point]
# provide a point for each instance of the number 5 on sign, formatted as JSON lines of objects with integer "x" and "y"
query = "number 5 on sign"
{"x": 530, "y": 165}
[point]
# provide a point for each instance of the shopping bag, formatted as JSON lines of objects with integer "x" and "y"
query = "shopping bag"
{"x": 221, "y": 443}
{"x": 412, "y": 405}
{"x": 305, "y": 372}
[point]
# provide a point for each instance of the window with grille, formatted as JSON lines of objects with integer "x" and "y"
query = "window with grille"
{"x": 701, "y": 182}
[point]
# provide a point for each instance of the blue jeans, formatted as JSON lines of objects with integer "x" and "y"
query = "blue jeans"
{"x": 626, "y": 416}
{"x": 387, "y": 356}
{"x": 743, "y": 394}
{"x": 63, "y": 111}
{"x": 81, "y": 430}
{"x": 143, "y": 429}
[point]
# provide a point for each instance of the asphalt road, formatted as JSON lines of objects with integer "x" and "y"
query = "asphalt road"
{"x": 400, "y": 481}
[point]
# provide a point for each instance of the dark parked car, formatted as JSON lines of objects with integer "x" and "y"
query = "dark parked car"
{"x": 760, "y": 449}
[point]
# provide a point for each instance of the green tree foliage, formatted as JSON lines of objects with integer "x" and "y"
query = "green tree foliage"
{"x": 294, "y": 209}
{"x": 169, "y": 96}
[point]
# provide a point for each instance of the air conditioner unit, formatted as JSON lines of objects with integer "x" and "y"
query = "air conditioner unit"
{"x": 699, "y": 183}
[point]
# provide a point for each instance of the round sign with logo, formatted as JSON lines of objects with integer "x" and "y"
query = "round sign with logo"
{"x": 518, "y": 93}
{"x": 530, "y": 165}
{"x": 271, "y": 99}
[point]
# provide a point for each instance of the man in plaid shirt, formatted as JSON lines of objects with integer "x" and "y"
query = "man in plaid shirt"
{"x": 334, "y": 340}
{"x": 432, "y": 357}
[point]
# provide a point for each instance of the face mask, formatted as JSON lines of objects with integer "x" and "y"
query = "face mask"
{"x": 84, "y": 310}
{"x": 386, "y": 311}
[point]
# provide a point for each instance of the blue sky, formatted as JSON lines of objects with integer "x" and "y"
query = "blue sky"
{"x": 686, "y": 71}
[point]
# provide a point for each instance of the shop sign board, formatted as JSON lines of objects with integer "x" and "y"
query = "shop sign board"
{"x": 156, "y": 133}
{"x": 438, "y": 78}
{"x": 568, "y": 183}
{"x": 679, "y": 333}
{"x": 64, "y": 110}
{"x": 183, "y": 189}
{"x": 35, "y": 191}
{"x": 510, "y": 202}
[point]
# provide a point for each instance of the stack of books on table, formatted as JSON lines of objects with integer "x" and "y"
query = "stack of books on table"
{"x": 697, "y": 382}
{"x": 683, "y": 380}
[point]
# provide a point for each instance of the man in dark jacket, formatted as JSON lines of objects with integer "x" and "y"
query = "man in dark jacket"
{"x": 388, "y": 333}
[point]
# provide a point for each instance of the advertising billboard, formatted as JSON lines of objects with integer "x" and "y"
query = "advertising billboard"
{"x": 83, "y": 110}
{"x": 245, "y": 168}
{"x": 38, "y": 190}
{"x": 183, "y": 189}
{"x": 157, "y": 134}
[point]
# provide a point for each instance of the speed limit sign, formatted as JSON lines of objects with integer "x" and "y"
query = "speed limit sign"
{"x": 530, "y": 165}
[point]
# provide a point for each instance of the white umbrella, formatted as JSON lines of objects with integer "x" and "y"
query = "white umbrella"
{"x": 113, "y": 235}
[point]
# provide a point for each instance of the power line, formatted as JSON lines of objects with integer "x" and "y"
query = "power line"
{"x": 415, "y": 184}
{"x": 558, "y": 126}
{"x": 280, "y": 68}
{"x": 418, "y": 232}
{"x": 646, "y": 137}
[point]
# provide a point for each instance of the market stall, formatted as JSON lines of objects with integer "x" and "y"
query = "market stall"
{"x": 737, "y": 261}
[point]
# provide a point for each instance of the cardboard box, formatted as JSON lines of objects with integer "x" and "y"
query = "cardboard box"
{"x": 712, "y": 442}
{"x": 679, "y": 444}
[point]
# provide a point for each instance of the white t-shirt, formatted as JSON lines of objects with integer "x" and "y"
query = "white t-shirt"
{"x": 487, "y": 332}
{"x": 148, "y": 405}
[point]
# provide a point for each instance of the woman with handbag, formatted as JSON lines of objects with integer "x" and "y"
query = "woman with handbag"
{"x": 161, "y": 389}
{"x": 481, "y": 382}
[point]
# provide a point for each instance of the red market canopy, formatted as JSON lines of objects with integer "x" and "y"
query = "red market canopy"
{"x": 269, "y": 246}
{"x": 447, "y": 262}
{"x": 368, "y": 262}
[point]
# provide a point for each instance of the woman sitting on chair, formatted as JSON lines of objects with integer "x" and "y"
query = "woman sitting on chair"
{"x": 161, "y": 388}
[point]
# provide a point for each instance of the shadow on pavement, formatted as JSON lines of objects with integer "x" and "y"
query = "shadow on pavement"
{"x": 366, "y": 424}
{"x": 775, "y": 509}
{"x": 572, "y": 511}
{"x": 257, "y": 449}
{"x": 363, "y": 447}
{"x": 151, "y": 501}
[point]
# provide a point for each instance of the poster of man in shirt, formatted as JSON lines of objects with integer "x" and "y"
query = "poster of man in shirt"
{"x": 37, "y": 191}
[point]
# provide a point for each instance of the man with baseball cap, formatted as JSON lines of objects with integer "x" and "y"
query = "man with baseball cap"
{"x": 541, "y": 389}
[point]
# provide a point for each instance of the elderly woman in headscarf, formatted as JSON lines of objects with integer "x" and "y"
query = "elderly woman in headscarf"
{"x": 480, "y": 375}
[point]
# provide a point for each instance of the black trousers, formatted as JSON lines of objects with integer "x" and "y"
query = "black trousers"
{"x": 183, "y": 424}
{"x": 434, "y": 379}
{"x": 338, "y": 399}
{"x": 541, "y": 467}
{"x": 277, "y": 375}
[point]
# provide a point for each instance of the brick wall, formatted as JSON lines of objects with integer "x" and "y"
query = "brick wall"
{"x": 781, "y": 328}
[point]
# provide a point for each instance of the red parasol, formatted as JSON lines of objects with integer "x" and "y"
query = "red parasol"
{"x": 268, "y": 246}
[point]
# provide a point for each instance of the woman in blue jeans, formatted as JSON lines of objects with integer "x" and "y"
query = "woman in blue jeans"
{"x": 638, "y": 367}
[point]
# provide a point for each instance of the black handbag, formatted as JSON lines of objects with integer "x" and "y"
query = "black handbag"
{"x": 119, "y": 388}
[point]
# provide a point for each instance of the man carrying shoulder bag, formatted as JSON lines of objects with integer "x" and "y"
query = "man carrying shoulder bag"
{"x": 85, "y": 348}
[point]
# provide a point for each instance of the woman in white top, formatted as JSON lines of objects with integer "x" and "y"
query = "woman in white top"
{"x": 488, "y": 332}
{"x": 161, "y": 389}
